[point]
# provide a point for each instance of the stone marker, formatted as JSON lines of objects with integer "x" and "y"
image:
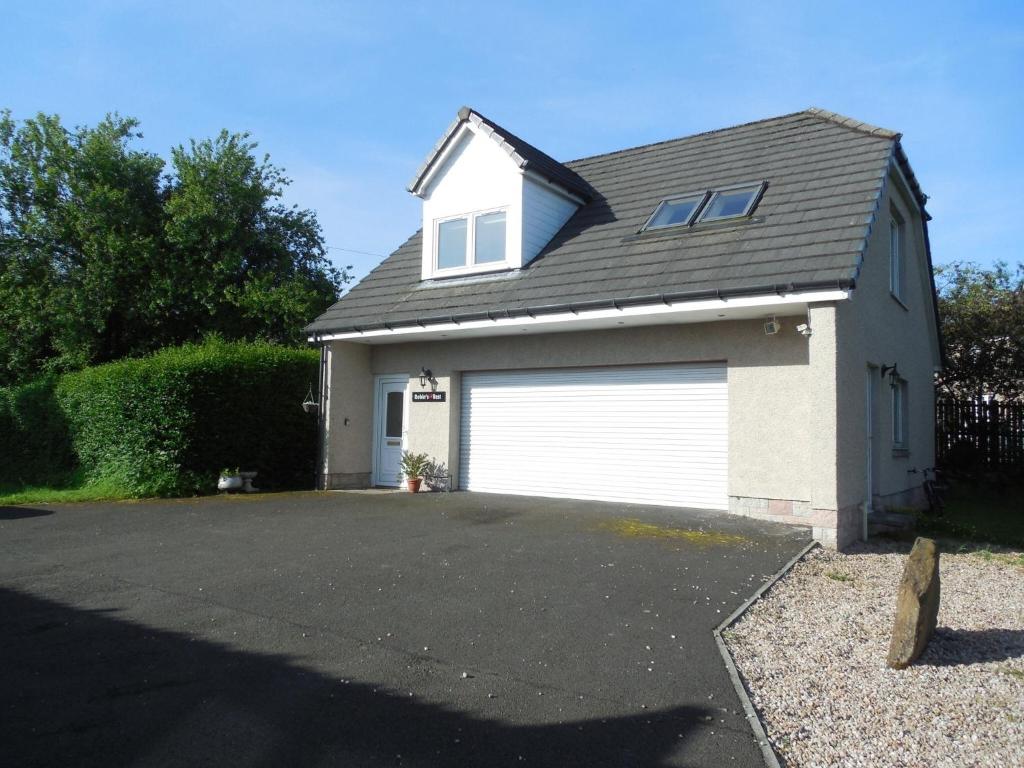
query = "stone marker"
{"x": 917, "y": 605}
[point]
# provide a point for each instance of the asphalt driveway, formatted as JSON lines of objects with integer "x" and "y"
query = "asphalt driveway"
{"x": 370, "y": 629}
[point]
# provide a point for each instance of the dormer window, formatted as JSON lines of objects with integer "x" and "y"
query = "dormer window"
{"x": 491, "y": 202}
{"x": 468, "y": 241}
{"x": 490, "y": 237}
{"x": 451, "y": 243}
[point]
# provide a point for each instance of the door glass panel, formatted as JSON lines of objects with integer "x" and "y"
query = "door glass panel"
{"x": 393, "y": 416}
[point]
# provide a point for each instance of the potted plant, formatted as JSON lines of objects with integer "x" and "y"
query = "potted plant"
{"x": 413, "y": 466}
{"x": 230, "y": 480}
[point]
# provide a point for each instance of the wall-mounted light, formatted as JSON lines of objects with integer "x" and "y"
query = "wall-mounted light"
{"x": 893, "y": 373}
{"x": 771, "y": 326}
{"x": 427, "y": 377}
{"x": 804, "y": 329}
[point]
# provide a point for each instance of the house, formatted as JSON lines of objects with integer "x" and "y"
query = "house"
{"x": 742, "y": 320}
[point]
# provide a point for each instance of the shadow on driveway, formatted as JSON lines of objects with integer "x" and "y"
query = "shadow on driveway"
{"x": 87, "y": 688}
{"x": 20, "y": 513}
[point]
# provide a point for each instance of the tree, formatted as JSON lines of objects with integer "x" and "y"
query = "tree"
{"x": 79, "y": 222}
{"x": 102, "y": 256}
{"x": 245, "y": 265}
{"x": 982, "y": 317}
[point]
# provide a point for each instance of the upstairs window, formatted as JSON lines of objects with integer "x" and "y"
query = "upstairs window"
{"x": 896, "y": 255}
{"x": 451, "y": 243}
{"x": 490, "y": 238}
{"x": 468, "y": 241}
{"x": 732, "y": 203}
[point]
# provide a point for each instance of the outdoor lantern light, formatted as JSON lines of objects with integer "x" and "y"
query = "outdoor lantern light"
{"x": 426, "y": 377}
{"x": 893, "y": 372}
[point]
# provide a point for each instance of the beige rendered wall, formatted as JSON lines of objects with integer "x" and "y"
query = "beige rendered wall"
{"x": 790, "y": 403}
{"x": 434, "y": 427}
{"x": 770, "y": 385}
{"x": 348, "y": 429}
{"x": 875, "y": 329}
{"x": 825, "y": 395}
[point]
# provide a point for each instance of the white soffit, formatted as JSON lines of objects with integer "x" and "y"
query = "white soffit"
{"x": 702, "y": 311}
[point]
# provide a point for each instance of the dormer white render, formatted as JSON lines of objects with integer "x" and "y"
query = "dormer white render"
{"x": 491, "y": 202}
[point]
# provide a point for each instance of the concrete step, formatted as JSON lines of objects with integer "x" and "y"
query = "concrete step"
{"x": 890, "y": 522}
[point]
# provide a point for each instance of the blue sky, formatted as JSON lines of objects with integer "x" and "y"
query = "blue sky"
{"x": 349, "y": 98}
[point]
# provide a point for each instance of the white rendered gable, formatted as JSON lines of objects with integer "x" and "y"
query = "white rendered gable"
{"x": 476, "y": 175}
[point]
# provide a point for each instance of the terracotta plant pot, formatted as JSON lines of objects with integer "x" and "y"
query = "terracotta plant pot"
{"x": 414, "y": 484}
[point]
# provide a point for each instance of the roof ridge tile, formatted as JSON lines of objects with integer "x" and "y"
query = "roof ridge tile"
{"x": 522, "y": 153}
{"x": 817, "y": 112}
{"x": 852, "y": 123}
{"x": 684, "y": 138}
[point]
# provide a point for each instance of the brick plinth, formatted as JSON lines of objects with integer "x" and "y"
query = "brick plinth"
{"x": 831, "y": 527}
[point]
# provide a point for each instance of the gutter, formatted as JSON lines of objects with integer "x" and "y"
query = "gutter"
{"x": 574, "y": 308}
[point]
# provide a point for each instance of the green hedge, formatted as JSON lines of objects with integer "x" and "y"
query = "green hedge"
{"x": 35, "y": 447}
{"x": 166, "y": 424}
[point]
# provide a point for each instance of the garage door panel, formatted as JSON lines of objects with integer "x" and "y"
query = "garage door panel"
{"x": 654, "y": 435}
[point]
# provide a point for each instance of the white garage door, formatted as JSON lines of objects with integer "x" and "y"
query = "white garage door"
{"x": 648, "y": 435}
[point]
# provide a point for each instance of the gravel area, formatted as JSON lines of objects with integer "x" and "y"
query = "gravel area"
{"x": 812, "y": 654}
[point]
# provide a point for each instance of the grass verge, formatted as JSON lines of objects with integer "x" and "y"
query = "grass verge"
{"x": 76, "y": 489}
{"x": 982, "y": 513}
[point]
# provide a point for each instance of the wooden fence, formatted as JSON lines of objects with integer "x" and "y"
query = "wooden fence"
{"x": 982, "y": 436}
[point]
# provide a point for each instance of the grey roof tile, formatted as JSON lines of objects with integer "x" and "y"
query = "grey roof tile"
{"x": 824, "y": 174}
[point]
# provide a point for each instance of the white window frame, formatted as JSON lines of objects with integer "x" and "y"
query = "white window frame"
{"x": 700, "y": 197}
{"x": 897, "y": 239}
{"x": 471, "y": 267}
{"x": 756, "y": 186}
{"x": 899, "y": 415}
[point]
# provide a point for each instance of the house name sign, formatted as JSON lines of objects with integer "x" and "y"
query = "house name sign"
{"x": 429, "y": 397}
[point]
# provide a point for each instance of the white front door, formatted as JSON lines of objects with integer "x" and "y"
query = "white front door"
{"x": 389, "y": 426}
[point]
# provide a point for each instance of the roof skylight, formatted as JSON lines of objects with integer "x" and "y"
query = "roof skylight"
{"x": 731, "y": 203}
{"x": 711, "y": 205}
{"x": 676, "y": 210}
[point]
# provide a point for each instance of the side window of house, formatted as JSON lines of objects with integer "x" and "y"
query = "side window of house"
{"x": 896, "y": 268}
{"x": 899, "y": 415}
